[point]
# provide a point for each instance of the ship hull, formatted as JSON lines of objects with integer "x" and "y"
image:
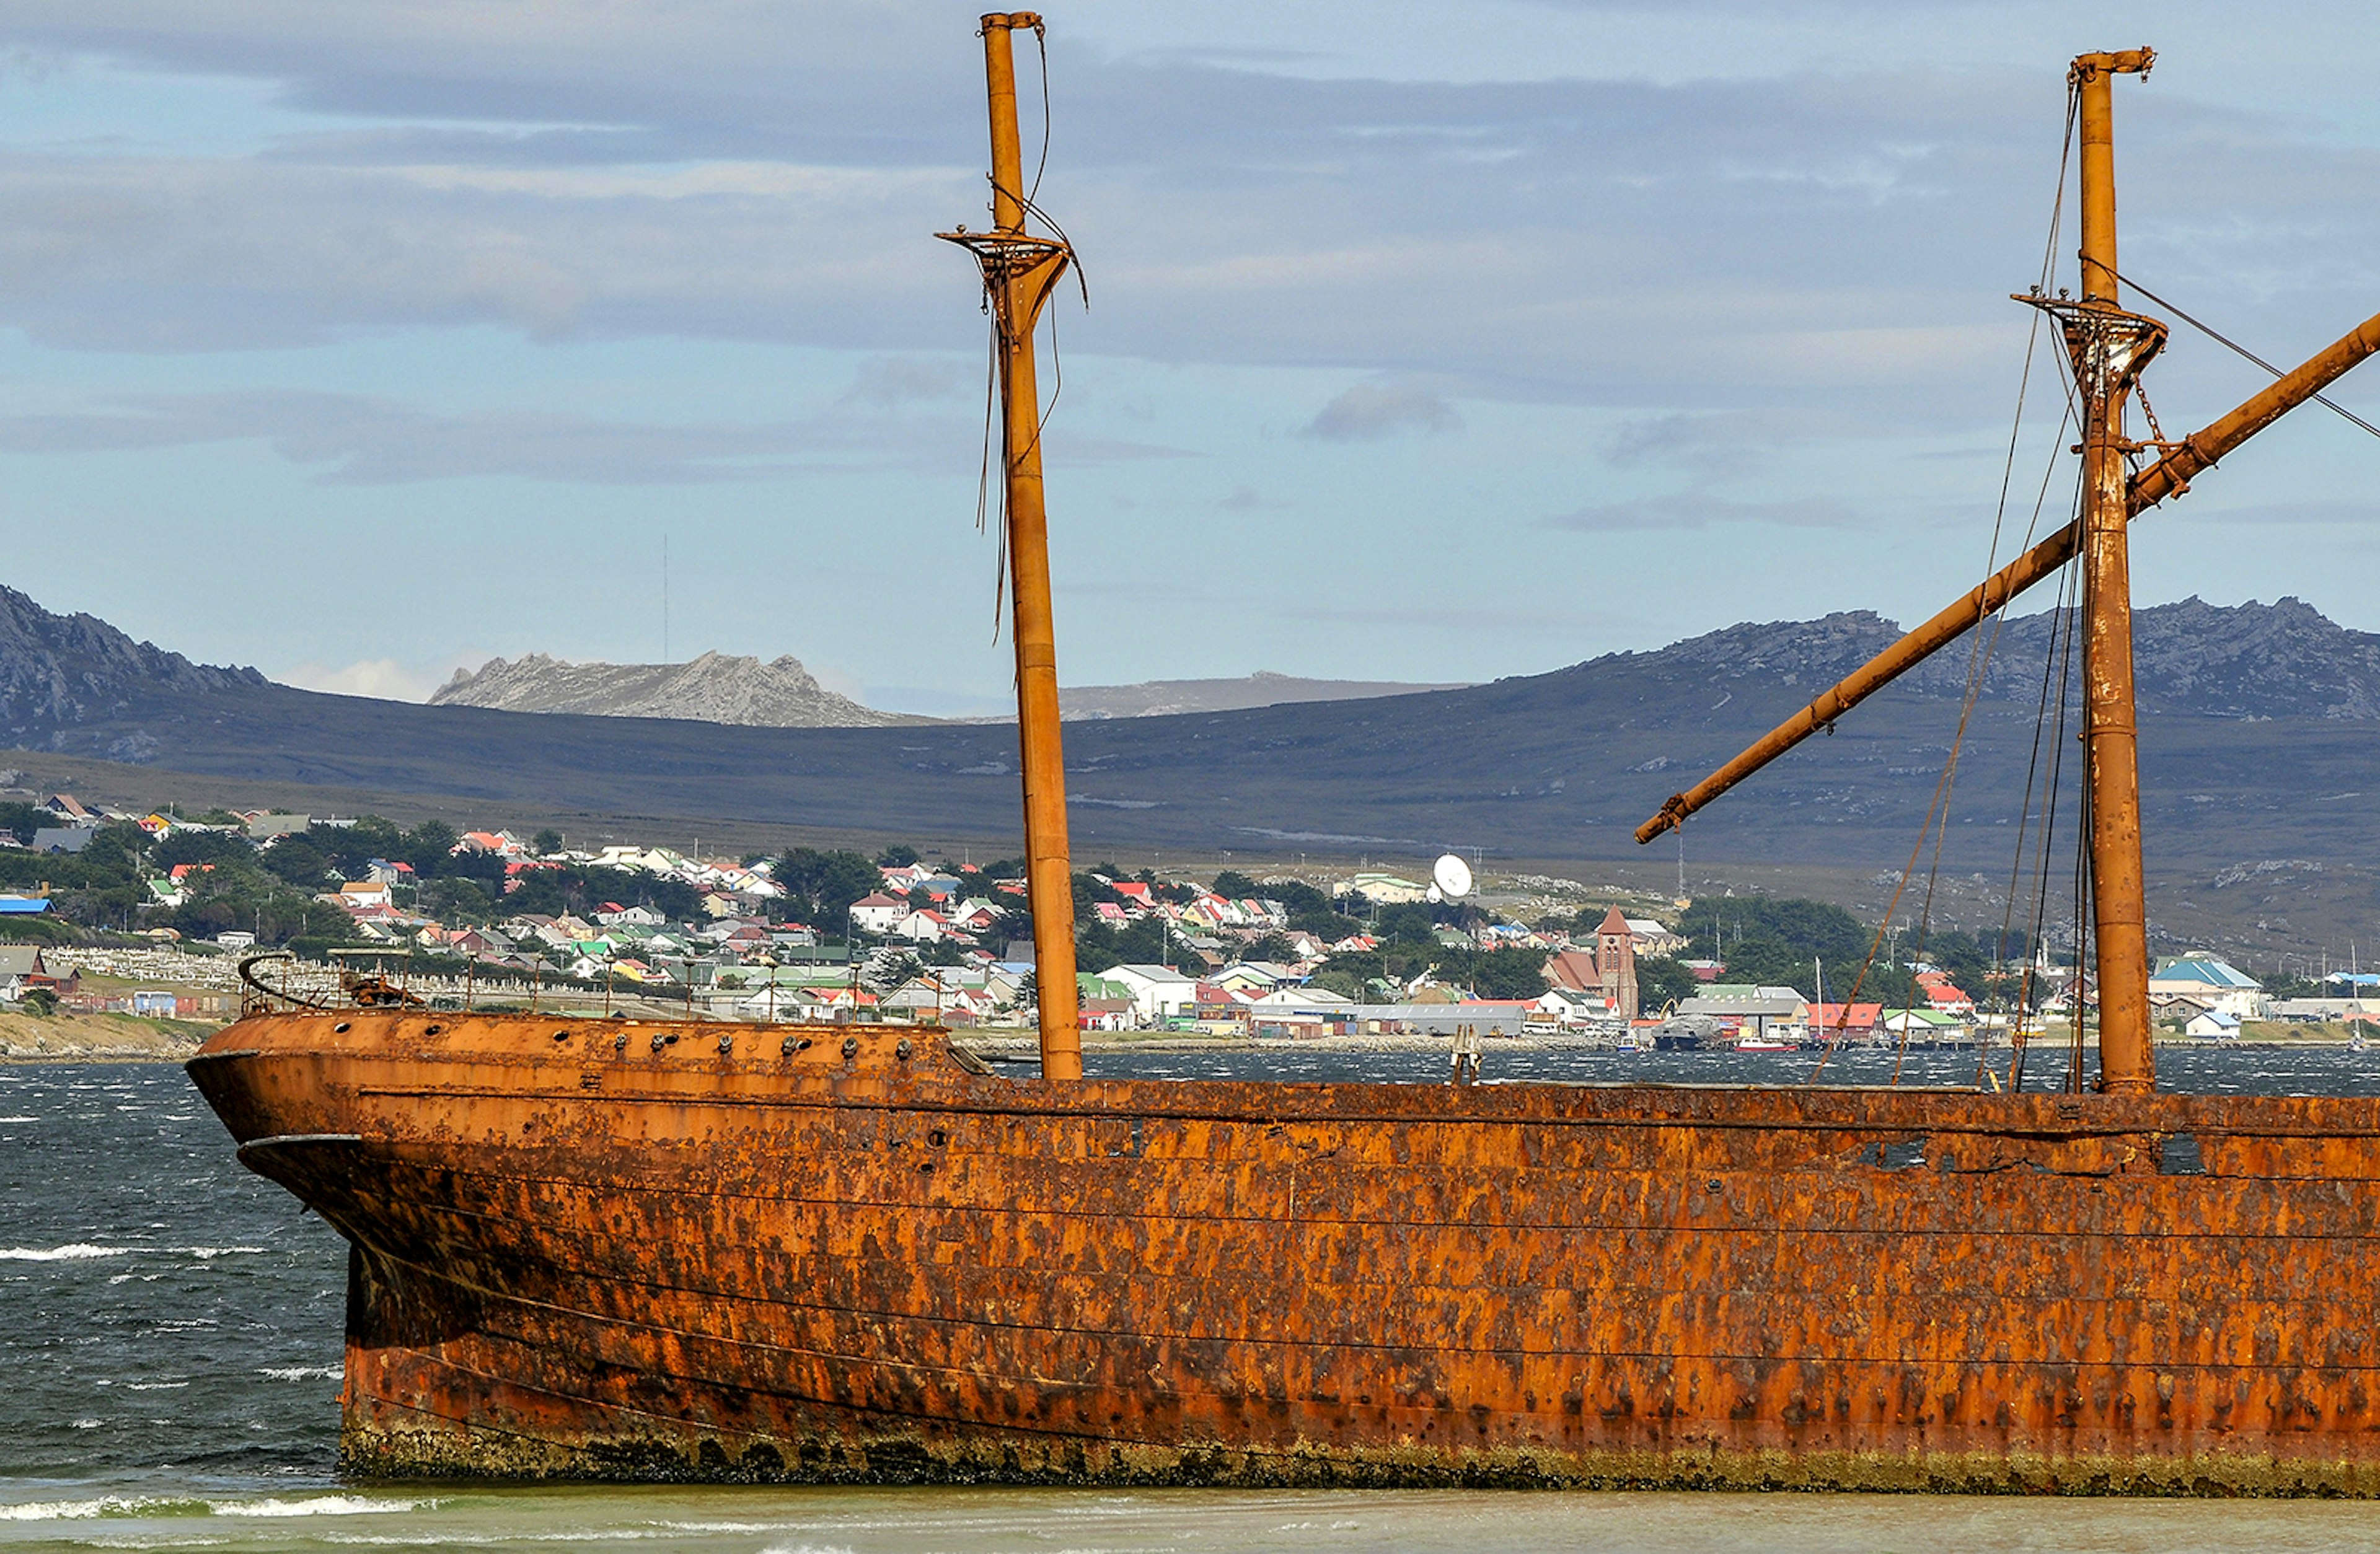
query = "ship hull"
{"x": 576, "y": 1253}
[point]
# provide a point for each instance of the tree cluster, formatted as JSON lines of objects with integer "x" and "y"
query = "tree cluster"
{"x": 1775, "y": 940}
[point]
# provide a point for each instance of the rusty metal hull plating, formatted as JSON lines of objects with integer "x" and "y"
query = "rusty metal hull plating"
{"x": 581, "y": 1254}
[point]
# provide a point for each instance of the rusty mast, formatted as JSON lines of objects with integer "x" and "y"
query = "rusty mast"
{"x": 1020, "y": 269}
{"x": 2108, "y": 348}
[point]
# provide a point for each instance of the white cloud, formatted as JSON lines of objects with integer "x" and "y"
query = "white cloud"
{"x": 386, "y": 679}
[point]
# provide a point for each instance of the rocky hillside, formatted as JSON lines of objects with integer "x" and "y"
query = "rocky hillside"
{"x": 713, "y": 688}
{"x": 78, "y": 668}
{"x": 2247, "y": 661}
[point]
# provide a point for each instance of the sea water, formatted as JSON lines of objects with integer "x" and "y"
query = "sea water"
{"x": 170, "y": 1345}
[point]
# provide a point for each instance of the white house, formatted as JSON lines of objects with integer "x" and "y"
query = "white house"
{"x": 2213, "y": 1024}
{"x": 878, "y": 912}
{"x": 1302, "y": 1001}
{"x": 1566, "y": 1008}
{"x": 922, "y": 927}
{"x": 1157, "y": 992}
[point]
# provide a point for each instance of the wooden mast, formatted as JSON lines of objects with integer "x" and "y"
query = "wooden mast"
{"x": 2109, "y": 347}
{"x": 1019, "y": 271}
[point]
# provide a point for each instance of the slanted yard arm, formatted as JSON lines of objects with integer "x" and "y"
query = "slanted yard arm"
{"x": 2170, "y": 475}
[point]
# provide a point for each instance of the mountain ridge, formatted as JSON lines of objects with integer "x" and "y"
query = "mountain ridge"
{"x": 2254, "y": 742}
{"x": 714, "y": 689}
{"x": 58, "y": 670}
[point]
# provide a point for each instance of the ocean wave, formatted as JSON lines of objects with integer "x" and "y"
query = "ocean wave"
{"x": 19, "y": 1119}
{"x": 300, "y": 1373}
{"x": 73, "y": 1252}
{"x": 203, "y": 1253}
{"x": 319, "y": 1505}
{"x": 76, "y": 1511}
{"x": 117, "y": 1506}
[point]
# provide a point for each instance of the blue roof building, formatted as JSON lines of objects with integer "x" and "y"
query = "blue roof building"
{"x": 2209, "y": 979}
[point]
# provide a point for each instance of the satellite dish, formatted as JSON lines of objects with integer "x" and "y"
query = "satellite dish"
{"x": 1454, "y": 877}
{"x": 1433, "y": 896}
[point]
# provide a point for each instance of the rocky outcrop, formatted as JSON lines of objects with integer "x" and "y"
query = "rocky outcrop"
{"x": 714, "y": 689}
{"x": 2246, "y": 661}
{"x": 2254, "y": 660}
{"x": 61, "y": 670}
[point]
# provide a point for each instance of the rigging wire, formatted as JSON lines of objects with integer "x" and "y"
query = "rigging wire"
{"x": 996, "y": 279}
{"x": 2221, "y": 338}
{"x": 1041, "y": 41}
{"x": 2058, "y": 205}
{"x": 2016, "y": 859}
{"x": 2024, "y": 819}
{"x": 983, "y": 479}
{"x": 1983, "y": 647}
{"x": 2064, "y": 623}
{"x": 2024, "y": 811}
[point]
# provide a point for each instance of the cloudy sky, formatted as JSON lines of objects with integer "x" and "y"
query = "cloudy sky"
{"x": 356, "y": 341}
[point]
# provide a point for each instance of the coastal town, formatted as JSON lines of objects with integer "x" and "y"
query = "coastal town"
{"x": 152, "y": 912}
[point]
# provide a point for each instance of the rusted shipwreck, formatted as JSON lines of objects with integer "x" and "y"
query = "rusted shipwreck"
{"x": 584, "y": 1248}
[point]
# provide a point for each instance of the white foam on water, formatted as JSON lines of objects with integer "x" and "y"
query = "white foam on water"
{"x": 723, "y": 1527}
{"x": 154, "y": 1386}
{"x": 70, "y": 1511}
{"x": 113, "y": 1506}
{"x": 204, "y": 1253}
{"x": 19, "y": 1119}
{"x": 300, "y": 1373}
{"x": 319, "y": 1505}
{"x": 73, "y": 1252}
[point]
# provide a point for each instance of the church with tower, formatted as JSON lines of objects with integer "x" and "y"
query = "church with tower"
{"x": 1608, "y": 970}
